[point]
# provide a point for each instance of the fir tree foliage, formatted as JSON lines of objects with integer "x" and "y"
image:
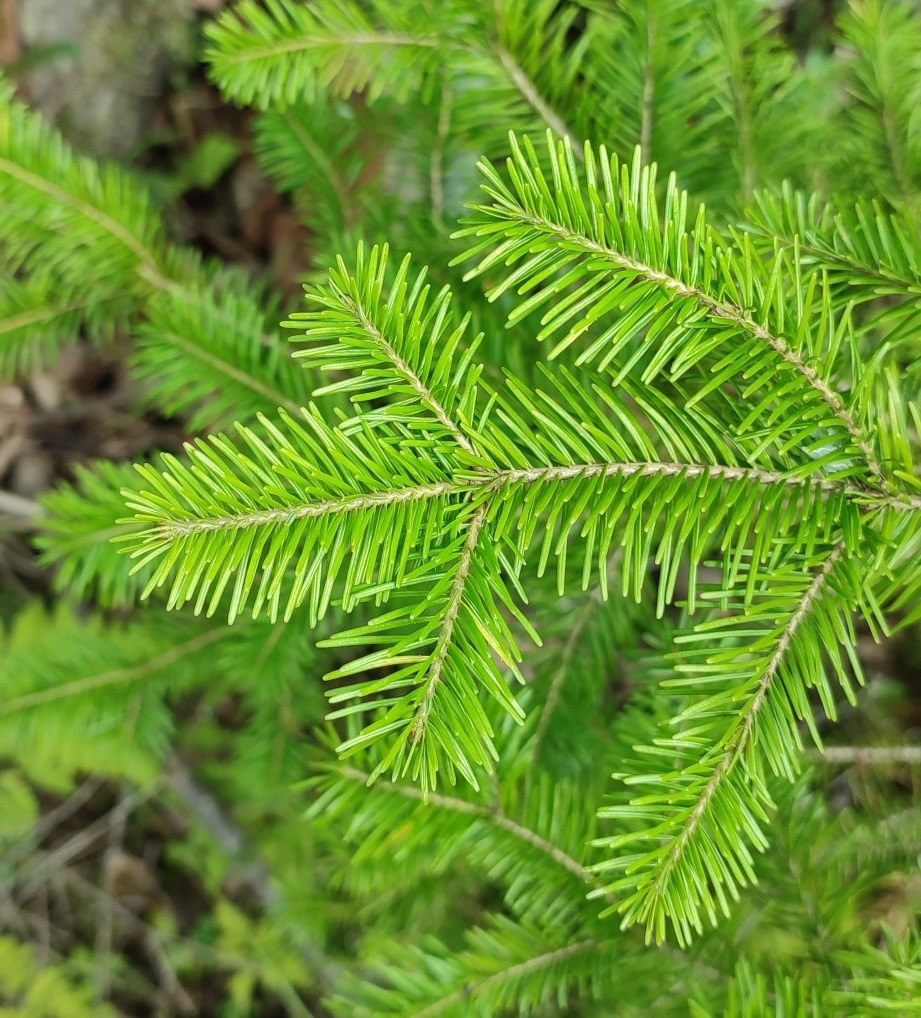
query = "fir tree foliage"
{"x": 783, "y": 484}
{"x": 582, "y": 509}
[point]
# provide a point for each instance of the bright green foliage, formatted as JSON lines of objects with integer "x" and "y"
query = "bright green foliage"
{"x": 883, "y": 114}
{"x": 584, "y": 509}
{"x": 79, "y": 697}
{"x": 29, "y": 990}
{"x": 887, "y": 981}
{"x": 797, "y": 520}
{"x": 78, "y": 534}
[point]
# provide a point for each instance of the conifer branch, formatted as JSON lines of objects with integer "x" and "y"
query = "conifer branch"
{"x": 41, "y": 313}
{"x": 110, "y": 216}
{"x": 532, "y": 96}
{"x": 740, "y": 741}
{"x": 830, "y": 256}
{"x": 92, "y": 212}
{"x": 274, "y": 398}
{"x": 725, "y": 419}
{"x": 492, "y": 480}
{"x": 883, "y": 93}
{"x": 185, "y": 294}
{"x": 562, "y": 670}
{"x": 880, "y": 79}
{"x": 721, "y": 309}
{"x": 518, "y": 970}
{"x": 330, "y": 507}
{"x": 425, "y": 394}
{"x": 38, "y": 316}
{"x": 543, "y": 960}
{"x": 116, "y": 676}
{"x": 305, "y": 43}
{"x": 317, "y": 155}
{"x": 753, "y": 475}
{"x": 532, "y": 838}
{"x": 492, "y": 816}
{"x": 868, "y": 249}
{"x": 434, "y": 677}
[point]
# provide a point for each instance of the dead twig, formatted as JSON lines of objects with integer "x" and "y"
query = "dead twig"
{"x": 874, "y": 756}
{"x": 42, "y": 865}
{"x": 10, "y": 48}
{"x": 22, "y": 509}
{"x": 49, "y": 821}
{"x": 118, "y": 819}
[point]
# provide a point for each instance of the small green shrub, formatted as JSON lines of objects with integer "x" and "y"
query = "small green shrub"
{"x": 600, "y": 483}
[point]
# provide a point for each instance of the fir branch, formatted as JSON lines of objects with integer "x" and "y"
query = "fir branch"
{"x": 652, "y": 69}
{"x": 330, "y": 507}
{"x": 880, "y": 79}
{"x": 274, "y": 398}
{"x": 866, "y": 251}
{"x": 434, "y": 678}
{"x": 347, "y": 41}
{"x": 597, "y": 238}
{"x": 491, "y": 815}
{"x": 78, "y": 525}
{"x": 722, "y": 309}
{"x": 751, "y": 475}
{"x": 517, "y": 970}
{"x": 532, "y": 95}
{"x": 185, "y": 520}
{"x": 740, "y": 101}
{"x": 35, "y": 321}
{"x": 39, "y": 316}
{"x": 394, "y": 340}
{"x": 427, "y": 397}
{"x": 466, "y": 484}
{"x": 739, "y": 744}
{"x": 514, "y": 57}
{"x": 732, "y": 400}
{"x": 704, "y": 813}
{"x": 319, "y": 156}
{"x": 60, "y": 195}
{"x": 571, "y": 647}
{"x": 287, "y": 52}
{"x": 116, "y": 676}
{"x": 532, "y": 838}
{"x": 88, "y": 234}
